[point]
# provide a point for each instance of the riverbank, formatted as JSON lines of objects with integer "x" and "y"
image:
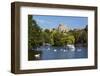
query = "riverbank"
{"x": 81, "y": 45}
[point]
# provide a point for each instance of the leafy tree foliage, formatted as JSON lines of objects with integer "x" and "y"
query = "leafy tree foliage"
{"x": 34, "y": 33}
{"x": 38, "y": 36}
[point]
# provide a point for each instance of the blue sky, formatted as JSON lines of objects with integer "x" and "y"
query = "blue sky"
{"x": 49, "y": 22}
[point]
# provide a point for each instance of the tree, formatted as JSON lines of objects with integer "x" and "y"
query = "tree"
{"x": 83, "y": 37}
{"x": 69, "y": 39}
{"x": 76, "y": 34}
{"x": 57, "y": 39}
{"x": 34, "y": 33}
{"x": 47, "y": 31}
{"x": 86, "y": 28}
{"x": 30, "y": 28}
{"x": 46, "y": 37}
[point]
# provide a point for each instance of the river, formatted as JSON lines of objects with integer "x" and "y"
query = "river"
{"x": 51, "y": 52}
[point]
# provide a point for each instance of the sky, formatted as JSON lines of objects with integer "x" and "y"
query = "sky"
{"x": 49, "y": 22}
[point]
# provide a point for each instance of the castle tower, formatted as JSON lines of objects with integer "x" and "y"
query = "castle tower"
{"x": 62, "y": 28}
